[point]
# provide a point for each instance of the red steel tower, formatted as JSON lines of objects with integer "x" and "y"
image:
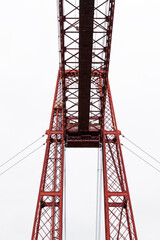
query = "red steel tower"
{"x": 83, "y": 116}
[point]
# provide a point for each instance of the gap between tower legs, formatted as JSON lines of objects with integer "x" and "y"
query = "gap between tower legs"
{"x": 64, "y": 197}
{"x": 99, "y": 194}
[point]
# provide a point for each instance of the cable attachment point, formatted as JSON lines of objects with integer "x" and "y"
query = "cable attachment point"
{"x": 47, "y": 132}
{"x": 119, "y": 132}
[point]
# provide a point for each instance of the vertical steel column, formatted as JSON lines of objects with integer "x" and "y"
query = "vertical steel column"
{"x": 119, "y": 221}
{"x": 48, "y": 217}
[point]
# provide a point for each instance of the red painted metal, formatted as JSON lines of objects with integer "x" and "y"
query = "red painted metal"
{"x": 119, "y": 219}
{"x": 48, "y": 218}
{"x": 83, "y": 116}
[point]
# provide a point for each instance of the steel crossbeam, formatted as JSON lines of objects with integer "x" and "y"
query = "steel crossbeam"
{"x": 85, "y": 61}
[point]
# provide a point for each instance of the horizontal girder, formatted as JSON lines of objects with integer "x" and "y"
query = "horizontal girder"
{"x": 85, "y": 61}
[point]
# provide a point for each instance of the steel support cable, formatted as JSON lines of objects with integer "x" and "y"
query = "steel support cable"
{"x": 21, "y": 160}
{"x": 141, "y": 149}
{"x": 141, "y": 158}
{"x": 21, "y": 151}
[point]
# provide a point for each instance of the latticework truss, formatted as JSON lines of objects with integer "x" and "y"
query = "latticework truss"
{"x": 83, "y": 116}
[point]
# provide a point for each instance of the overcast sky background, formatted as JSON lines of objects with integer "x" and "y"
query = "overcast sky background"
{"x": 28, "y": 72}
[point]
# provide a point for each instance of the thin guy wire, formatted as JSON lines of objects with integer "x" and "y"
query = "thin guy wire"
{"x": 141, "y": 158}
{"x": 141, "y": 149}
{"x": 21, "y": 160}
{"x": 21, "y": 151}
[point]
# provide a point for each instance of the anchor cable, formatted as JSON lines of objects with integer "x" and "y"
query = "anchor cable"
{"x": 141, "y": 158}
{"x": 21, "y": 151}
{"x": 21, "y": 160}
{"x": 141, "y": 149}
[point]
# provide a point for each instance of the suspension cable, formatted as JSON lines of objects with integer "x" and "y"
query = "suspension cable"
{"x": 21, "y": 151}
{"x": 141, "y": 149}
{"x": 21, "y": 160}
{"x": 141, "y": 158}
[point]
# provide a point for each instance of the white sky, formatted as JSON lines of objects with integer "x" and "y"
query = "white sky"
{"x": 28, "y": 71}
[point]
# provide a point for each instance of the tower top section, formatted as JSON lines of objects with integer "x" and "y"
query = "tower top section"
{"x": 85, "y": 33}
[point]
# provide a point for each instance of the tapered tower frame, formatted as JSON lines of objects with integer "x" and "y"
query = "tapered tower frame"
{"x": 83, "y": 116}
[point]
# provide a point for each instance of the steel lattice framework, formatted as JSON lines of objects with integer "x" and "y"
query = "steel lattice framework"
{"x": 83, "y": 116}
